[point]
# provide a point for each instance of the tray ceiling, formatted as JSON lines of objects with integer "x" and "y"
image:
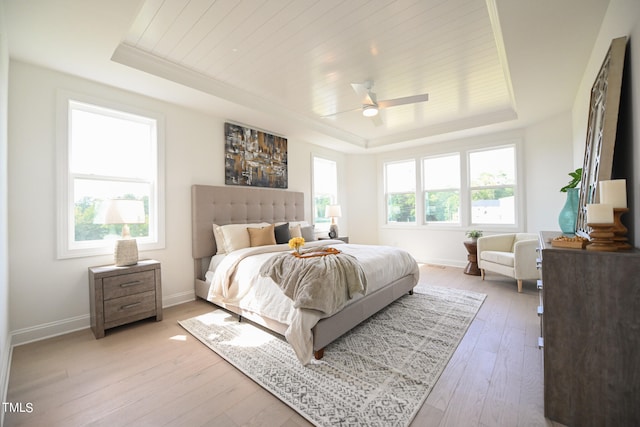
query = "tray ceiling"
{"x": 283, "y": 64}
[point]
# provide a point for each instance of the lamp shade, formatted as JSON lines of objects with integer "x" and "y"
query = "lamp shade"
{"x": 120, "y": 211}
{"x": 333, "y": 211}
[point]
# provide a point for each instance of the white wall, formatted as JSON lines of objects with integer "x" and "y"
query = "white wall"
{"x": 50, "y": 296}
{"x": 548, "y": 159}
{"x": 5, "y": 350}
{"x": 622, "y": 19}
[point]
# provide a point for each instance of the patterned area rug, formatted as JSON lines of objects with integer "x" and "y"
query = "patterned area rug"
{"x": 378, "y": 374}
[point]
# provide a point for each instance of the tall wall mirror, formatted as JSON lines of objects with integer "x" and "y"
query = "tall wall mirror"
{"x": 601, "y": 130}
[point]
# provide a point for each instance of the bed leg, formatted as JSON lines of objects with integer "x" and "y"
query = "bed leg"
{"x": 411, "y": 292}
{"x": 318, "y": 354}
{"x": 239, "y": 318}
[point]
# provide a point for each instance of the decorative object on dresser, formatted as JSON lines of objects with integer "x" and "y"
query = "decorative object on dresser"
{"x": 333, "y": 212}
{"x": 510, "y": 254}
{"x": 600, "y": 222}
{"x": 602, "y": 129}
{"x": 591, "y": 301}
{"x": 254, "y": 158}
{"x": 121, "y": 295}
{"x": 569, "y": 213}
{"x": 614, "y": 192}
{"x": 125, "y": 212}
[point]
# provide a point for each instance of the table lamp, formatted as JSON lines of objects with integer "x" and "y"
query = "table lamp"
{"x": 333, "y": 212}
{"x": 125, "y": 212}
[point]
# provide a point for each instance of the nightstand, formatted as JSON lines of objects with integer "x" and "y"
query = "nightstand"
{"x": 344, "y": 238}
{"x": 121, "y": 295}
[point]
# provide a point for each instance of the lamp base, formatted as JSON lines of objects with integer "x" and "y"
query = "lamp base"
{"x": 126, "y": 252}
{"x": 333, "y": 231}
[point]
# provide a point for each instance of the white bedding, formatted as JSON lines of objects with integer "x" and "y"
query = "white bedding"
{"x": 235, "y": 279}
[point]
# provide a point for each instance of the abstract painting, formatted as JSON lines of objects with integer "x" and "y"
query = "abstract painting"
{"x": 254, "y": 158}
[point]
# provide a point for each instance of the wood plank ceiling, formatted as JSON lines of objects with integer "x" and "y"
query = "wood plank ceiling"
{"x": 301, "y": 56}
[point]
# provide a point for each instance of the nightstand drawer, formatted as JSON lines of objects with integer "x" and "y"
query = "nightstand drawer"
{"x": 128, "y": 284}
{"x": 125, "y": 307}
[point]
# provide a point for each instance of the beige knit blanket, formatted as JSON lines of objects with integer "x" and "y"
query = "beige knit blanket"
{"x": 323, "y": 283}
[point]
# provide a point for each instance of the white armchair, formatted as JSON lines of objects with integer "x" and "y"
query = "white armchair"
{"x": 512, "y": 255}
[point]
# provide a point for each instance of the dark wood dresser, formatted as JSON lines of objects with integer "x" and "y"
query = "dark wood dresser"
{"x": 591, "y": 335}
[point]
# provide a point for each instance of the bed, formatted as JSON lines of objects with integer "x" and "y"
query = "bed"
{"x": 224, "y": 206}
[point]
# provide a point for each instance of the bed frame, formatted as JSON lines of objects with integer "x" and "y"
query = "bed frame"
{"x": 241, "y": 205}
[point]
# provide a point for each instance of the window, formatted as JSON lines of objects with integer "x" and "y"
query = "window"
{"x": 442, "y": 189}
{"x": 400, "y": 191}
{"x": 107, "y": 154}
{"x": 461, "y": 187}
{"x": 492, "y": 179}
{"x": 325, "y": 190}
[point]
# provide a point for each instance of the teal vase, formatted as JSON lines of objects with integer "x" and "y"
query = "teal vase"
{"x": 569, "y": 212}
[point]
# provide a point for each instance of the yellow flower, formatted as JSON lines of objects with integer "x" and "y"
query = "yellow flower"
{"x": 296, "y": 242}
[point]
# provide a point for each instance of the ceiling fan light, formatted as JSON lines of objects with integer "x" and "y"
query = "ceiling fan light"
{"x": 370, "y": 111}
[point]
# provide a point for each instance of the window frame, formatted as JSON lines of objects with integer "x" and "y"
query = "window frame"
{"x": 67, "y": 246}
{"x": 323, "y": 227}
{"x": 424, "y": 190}
{"x": 462, "y": 148}
{"x": 471, "y": 188}
{"x": 416, "y": 185}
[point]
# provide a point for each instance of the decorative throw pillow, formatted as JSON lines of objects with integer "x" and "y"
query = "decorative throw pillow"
{"x": 294, "y": 230}
{"x": 308, "y": 233}
{"x": 282, "y": 233}
{"x": 236, "y": 236}
{"x": 262, "y": 236}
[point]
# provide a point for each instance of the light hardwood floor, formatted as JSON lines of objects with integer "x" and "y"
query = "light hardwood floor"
{"x": 155, "y": 374}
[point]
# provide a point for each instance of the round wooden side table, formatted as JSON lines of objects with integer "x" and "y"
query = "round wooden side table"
{"x": 472, "y": 265}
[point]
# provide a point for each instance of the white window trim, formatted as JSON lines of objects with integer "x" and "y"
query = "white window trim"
{"x": 320, "y": 228}
{"x": 419, "y": 203}
{"x": 64, "y": 182}
{"x": 463, "y": 148}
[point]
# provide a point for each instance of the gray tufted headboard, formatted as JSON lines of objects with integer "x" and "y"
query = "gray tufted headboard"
{"x": 237, "y": 205}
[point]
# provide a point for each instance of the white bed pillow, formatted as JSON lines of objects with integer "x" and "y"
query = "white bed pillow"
{"x": 236, "y": 236}
{"x": 217, "y": 235}
{"x": 295, "y": 228}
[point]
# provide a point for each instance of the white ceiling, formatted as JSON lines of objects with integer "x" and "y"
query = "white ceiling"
{"x": 280, "y": 65}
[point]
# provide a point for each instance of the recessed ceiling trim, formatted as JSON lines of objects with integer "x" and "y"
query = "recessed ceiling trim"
{"x": 461, "y": 124}
{"x": 133, "y": 57}
{"x": 494, "y": 18}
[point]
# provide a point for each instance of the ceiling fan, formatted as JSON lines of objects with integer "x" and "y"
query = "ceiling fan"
{"x": 371, "y": 106}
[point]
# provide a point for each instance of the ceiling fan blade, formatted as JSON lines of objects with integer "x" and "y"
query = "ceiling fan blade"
{"x": 402, "y": 101}
{"x": 363, "y": 90}
{"x": 377, "y": 120}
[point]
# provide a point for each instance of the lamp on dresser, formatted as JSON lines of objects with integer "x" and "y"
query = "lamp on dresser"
{"x": 125, "y": 212}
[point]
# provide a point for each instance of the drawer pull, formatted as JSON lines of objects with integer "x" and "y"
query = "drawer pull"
{"x": 128, "y": 306}
{"x": 129, "y": 284}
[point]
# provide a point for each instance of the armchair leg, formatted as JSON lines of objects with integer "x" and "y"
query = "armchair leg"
{"x": 482, "y": 271}
{"x": 519, "y": 285}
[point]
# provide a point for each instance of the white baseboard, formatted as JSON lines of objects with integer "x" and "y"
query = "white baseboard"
{"x": 445, "y": 262}
{"x": 179, "y": 298}
{"x": 72, "y": 324}
{"x": 49, "y": 330}
{"x": 7, "y": 352}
